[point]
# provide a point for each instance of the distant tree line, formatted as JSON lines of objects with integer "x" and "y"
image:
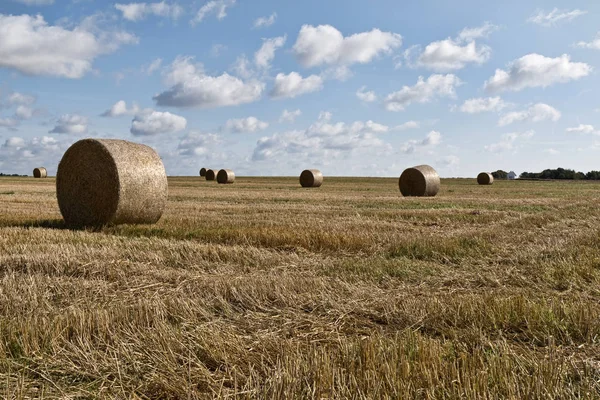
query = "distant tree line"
{"x": 561, "y": 173}
{"x": 1, "y": 174}
{"x": 500, "y": 174}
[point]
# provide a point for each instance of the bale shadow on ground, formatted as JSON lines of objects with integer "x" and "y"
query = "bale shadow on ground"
{"x": 58, "y": 224}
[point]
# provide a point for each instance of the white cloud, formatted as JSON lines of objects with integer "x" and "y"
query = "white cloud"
{"x": 15, "y": 142}
{"x": 250, "y": 124}
{"x": 191, "y": 87}
{"x": 536, "y": 113}
{"x": 587, "y": 129}
{"x": 293, "y": 84}
{"x": 554, "y": 17}
{"x": 289, "y": 116}
{"x": 20, "y": 98}
{"x": 139, "y": 11}
{"x": 408, "y": 125}
{"x": 594, "y": 44}
{"x": 535, "y": 70}
{"x": 8, "y": 122}
{"x": 35, "y": 2}
{"x": 217, "y": 49}
{"x": 154, "y": 66}
{"x": 432, "y": 139}
{"x": 156, "y": 122}
{"x": 478, "y": 105}
{"x": 324, "y": 44}
{"x": 120, "y": 108}
{"x": 509, "y": 142}
{"x": 338, "y": 72}
{"x": 31, "y": 46}
{"x": 367, "y": 97}
{"x": 24, "y": 112}
{"x": 71, "y": 123}
{"x": 198, "y": 144}
{"x": 242, "y": 67}
{"x": 265, "y": 55}
{"x": 217, "y": 7}
{"x": 263, "y": 22}
{"x": 552, "y": 152}
{"x": 469, "y": 34}
{"x": 449, "y": 161}
{"x": 423, "y": 91}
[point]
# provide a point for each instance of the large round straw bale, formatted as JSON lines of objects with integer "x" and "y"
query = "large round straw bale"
{"x": 225, "y": 176}
{"x": 211, "y": 175}
{"x": 311, "y": 178}
{"x": 421, "y": 180}
{"x": 202, "y": 171}
{"x": 109, "y": 181}
{"x": 485, "y": 179}
{"x": 40, "y": 172}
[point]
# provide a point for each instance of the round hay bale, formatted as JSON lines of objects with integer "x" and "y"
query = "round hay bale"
{"x": 211, "y": 175}
{"x": 202, "y": 171}
{"x": 421, "y": 180}
{"x": 485, "y": 178}
{"x": 225, "y": 176}
{"x": 311, "y": 178}
{"x": 108, "y": 181}
{"x": 40, "y": 172}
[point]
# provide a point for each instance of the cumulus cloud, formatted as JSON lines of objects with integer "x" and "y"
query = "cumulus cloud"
{"x": 155, "y": 122}
{"x": 31, "y": 46}
{"x": 153, "y": 66}
{"x": 432, "y": 139}
{"x": 21, "y": 99}
{"x": 535, "y": 70}
{"x": 17, "y": 154}
{"x": 367, "y": 97}
{"x": 536, "y": 113}
{"x": 250, "y": 125}
{"x": 289, "y": 116}
{"x": 586, "y": 129}
{"x": 479, "y": 105}
{"x": 293, "y": 84}
{"x": 24, "y": 112}
{"x": 322, "y": 139}
{"x": 8, "y": 122}
{"x": 217, "y": 7}
{"x": 191, "y": 87}
{"x": 198, "y": 144}
{"x": 408, "y": 125}
{"x": 594, "y": 44}
{"x": 120, "y": 108}
{"x": 324, "y": 44}
{"x": 554, "y": 17}
{"x": 265, "y": 55}
{"x": 424, "y": 91}
{"x": 509, "y": 142}
{"x": 483, "y": 31}
{"x": 263, "y": 22}
{"x": 71, "y": 123}
{"x": 139, "y": 11}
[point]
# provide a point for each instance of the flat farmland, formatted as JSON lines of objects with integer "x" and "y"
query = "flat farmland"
{"x": 263, "y": 289}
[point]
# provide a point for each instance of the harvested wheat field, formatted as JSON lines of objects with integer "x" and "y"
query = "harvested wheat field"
{"x": 351, "y": 291}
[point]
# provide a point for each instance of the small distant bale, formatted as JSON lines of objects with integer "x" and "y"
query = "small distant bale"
{"x": 421, "y": 180}
{"x": 311, "y": 178}
{"x": 40, "y": 172}
{"x": 225, "y": 176}
{"x": 485, "y": 178}
{"x": 211, "y": 175}
{"x": 202, "y": 171}
{"x": 108, "y": 181}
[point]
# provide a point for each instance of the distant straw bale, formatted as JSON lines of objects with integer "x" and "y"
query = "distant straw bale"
{"x": 109, "y": 181}
{"x": 485, "y": 178}
{"x": 40, "y": 172}
{"x": 211, "y": 175}
{"x": 225, "y": 176}
{"x": 421, "y": 180}
{"x": 202, "y": 171}
{"x": 311, "y": 178}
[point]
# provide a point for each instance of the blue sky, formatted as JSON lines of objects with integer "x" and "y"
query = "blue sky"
{"x": 273, "y": 87}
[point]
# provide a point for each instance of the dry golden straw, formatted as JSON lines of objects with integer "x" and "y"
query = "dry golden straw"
{"x": 421, "y": 180}
{"x": 225, "y": 176}
{"x": 210, "y": 175}
{"x": 485, "y": 178}
{"x": 311, "y": 178}
{"x": 202, "y": 171}
{"x": 108, "y": 181}
{"x": 40, "y": 172}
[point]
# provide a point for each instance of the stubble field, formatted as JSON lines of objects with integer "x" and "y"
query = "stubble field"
{"x": 262, "y": 289}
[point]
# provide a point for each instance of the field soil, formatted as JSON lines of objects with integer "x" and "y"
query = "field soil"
{"x": 263, "y": 289}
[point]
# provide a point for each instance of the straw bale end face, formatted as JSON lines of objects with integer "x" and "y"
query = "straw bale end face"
{"x": 202, "y": 171}
{"x": 485, "y": 178}
{"x": 107, "y": 181}
{"x": 225, "y": 176}
{"x": 311, "y": 178}
{"x": 421, "y": 180}
{"x": 40, "y": 172}
{"x": 211, "y": 175}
